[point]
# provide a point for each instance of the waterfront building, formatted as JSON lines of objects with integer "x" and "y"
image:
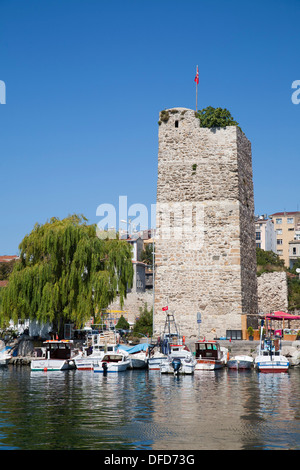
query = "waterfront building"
{"x": 294, "y": 252}
{"x": 287, "y": 227}
{"x": 265, "y": 237}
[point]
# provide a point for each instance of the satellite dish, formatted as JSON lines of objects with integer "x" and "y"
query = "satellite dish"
{"x": 298, "y": 270}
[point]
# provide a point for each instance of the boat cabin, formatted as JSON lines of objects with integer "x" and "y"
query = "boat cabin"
{"x": 59, "y": 349}
{"x": 270, "y": 346}
{"x": 112, "y": 358}
{"x": 207, "y": 350}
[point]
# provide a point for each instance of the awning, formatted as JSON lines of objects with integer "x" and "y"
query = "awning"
{"x": 282, "y": 316}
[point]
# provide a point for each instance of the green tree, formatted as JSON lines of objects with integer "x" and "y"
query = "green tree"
{"x": 215, "y": 117}
{"x": 147, "y": 255}
{"x": 295, "y": 267}
{"x": 268, "y": 261}
{"x": 144, "y": 324}
{"x": 294, "y": 293}
{"x": 66, "y": 274}
{"x": 122, "y": 324}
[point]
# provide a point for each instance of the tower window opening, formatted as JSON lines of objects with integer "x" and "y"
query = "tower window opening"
{"x": 176, "y": 123}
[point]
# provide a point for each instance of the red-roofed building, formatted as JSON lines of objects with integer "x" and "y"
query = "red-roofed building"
{"x": 7, "y": 259}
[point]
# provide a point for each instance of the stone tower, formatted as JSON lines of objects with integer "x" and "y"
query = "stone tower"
{"x": 205, "y": 242}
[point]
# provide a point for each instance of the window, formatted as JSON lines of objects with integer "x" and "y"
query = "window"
{"x": 176, "y": 123}
{"x": 257, "y": 236}
{"x": 280, "y": 252}
{"x": 258, "y": 245}
{"x": 278, "y": 221}
{"x": 279, "y": 241}
{"x": 290, "y": 220}
{"x": 291, "y": 229}
{"x": 279, "y": 231}
{"x": 294, "y": 251}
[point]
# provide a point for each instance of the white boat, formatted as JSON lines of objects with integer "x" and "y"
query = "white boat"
{"x": 269, "y": 358}
{"x": 5, "y": 356}
{"x": 117, "y": 361}
{"x": 209, "y": 355}
{"x": 242, "y": 362}
{"x": 161, "y": 351}
{"x": 97, "y": 346}
{"x": 155, "y": 359}
{"x": 59, "y": 355}
{"x": 138, "y": 355}
{"x": 179, "y": 361}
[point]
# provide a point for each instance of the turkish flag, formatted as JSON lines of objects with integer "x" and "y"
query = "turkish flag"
{"x": 165, "y": 308}
{"x": 197, "y": 76}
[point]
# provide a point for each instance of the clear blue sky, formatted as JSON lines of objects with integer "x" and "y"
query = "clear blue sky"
{"x": 86, "y": 79}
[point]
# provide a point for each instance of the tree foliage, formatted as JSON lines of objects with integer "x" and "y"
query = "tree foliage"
{"x": 66, "y": 273}
{"x": 144, "y": 324}
{"x": 268, "y": 261}
{"x": 216, "y": 117}
{"x": 294, "y": 293}
{"x": 147, "y": 254}
{"x": 122, "y": 324}
{"x": 6, "y": 269}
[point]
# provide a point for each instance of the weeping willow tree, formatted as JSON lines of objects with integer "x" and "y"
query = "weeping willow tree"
{"x": 66, "y": 274}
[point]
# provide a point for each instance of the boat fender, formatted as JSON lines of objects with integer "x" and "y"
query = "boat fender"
{"x": 183, "y": 339}
{"x": 227, "y": 355}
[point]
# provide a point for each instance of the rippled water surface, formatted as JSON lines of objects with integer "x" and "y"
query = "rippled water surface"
{"x": 145, "y": 410}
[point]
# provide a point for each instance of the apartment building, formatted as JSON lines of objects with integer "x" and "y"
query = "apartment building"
{"x": 265, "y": 236}
{"x": 287, "y": 225}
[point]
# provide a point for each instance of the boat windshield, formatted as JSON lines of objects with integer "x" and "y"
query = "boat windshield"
{"x": 206, "y": 350}
{"x": 112, "y": 358}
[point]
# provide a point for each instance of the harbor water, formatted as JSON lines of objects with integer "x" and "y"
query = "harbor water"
{"x": 144, "y": 410}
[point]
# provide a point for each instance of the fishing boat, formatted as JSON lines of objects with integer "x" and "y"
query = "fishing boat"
{"x": 5, "y": 356}
{"x": 117, "y": 361}
{"x": 209, "y": 355}
{"x": 160, "y": 351}
{"x": 59, "y": 355}
{"x": 155, "y": 358}
{"x": 269, "y": 358}
{"x": 96, "y": 347}
{"x": 138, "y": 355}
{"x": 242, "y": 362}
{"x": 179, "y": 361}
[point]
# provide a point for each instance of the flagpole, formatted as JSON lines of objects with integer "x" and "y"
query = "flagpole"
{"x": 197, "y": 81}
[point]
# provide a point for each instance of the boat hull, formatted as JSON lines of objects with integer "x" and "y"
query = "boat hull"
{"x": 114, "y": 368}
{"x": 137, "y": 363}
{"x": 280, "y": 365}
{"x": 204, "y": 364}
{"x": 239, "y": 365}
{"x": 154, "y": 362}
{"x": 184, "y": 370}
{"x": 240, "y": 362}
{"x": 87, "y": 363}
{"x": 48, "y": 365}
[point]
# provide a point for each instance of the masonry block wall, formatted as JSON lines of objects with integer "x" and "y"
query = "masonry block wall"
{"x": 205, "y": 242}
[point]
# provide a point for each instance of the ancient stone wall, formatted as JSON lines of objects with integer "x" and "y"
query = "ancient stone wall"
{"x": 205, "y": 245}
{"x": 272, "y": 292}
{"x": 132, "y": 304}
